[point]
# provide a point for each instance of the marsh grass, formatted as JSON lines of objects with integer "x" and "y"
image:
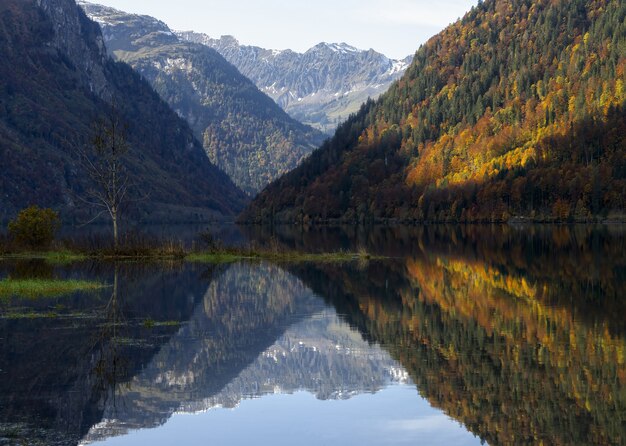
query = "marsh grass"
{"x": 141, "y": 247}
{"x": 278, "y": 256}
{"x": 62, "y": 257}
{"x": 216, "y": 257}
{"x": 150, "y": 323}
{"x": 34, "y": 288}
{"x": 179, "y": 254}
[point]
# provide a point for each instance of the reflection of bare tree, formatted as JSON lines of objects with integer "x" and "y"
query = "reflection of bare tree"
{"x": 110, "y": 366}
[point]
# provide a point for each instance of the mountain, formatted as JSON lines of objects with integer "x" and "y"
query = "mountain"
{"x": 517, "y": 110}
{"x": 56, "y": 80}
{"x": 243, "y": 131}
{"x": 320, "y": 87}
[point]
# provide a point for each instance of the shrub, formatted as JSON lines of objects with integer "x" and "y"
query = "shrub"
{"x": 34, "y": 227}
{"x": 207, "y": 240}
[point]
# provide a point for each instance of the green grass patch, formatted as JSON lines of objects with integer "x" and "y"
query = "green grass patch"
{"x": 33, "y": 288}
{"x": 52, "y": 257}
{"x": 208, "y": 257}
{"x": 64, "y": 257}
{"x": 149, "y": 323}
{"x": 214, "y": 257}
{"x": 280, "y": 256}
{"x": 29, "y": 315}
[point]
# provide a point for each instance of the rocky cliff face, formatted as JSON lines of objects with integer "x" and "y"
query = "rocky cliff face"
{"x": 128, "y": 32}
{"x": 56, "y": 80}
{"x": 79, "y": 39}
{"x": 320, "y": 87}
{"x": 243, "y": 131}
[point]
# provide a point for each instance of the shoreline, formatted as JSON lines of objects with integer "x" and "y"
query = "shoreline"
{"x": 216, "y": 257}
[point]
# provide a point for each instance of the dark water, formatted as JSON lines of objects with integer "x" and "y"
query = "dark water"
{"x": 462, "y": 335}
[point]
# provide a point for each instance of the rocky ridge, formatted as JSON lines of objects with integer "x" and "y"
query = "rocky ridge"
{"x": 56, "y": 81}
{"x": 319, "y": 87}
{"x": 243, "y": 131}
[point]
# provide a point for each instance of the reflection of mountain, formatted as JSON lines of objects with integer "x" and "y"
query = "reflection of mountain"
{"x": 321, "y": 355}
{"x": 519, "y": 335}
{"x": 519, "y": 356}
{"x": 56, "y": 363}
{"x": 258, "y": 331}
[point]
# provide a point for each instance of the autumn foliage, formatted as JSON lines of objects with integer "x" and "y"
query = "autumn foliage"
{"x": 34, "y": 227}
{"x": 516, "y": 110}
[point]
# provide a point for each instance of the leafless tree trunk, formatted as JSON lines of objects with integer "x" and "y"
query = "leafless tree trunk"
{"x": 103, "y": 162}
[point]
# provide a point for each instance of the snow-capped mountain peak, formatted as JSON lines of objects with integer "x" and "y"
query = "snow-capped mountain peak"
{"x": 320, "y": 86}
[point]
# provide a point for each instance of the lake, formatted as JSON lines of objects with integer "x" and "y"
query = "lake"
{"x": 457, "y": 335}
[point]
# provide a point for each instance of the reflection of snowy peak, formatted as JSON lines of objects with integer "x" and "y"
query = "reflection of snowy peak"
{"x": 320, "y": 355}
{"x": 318, "y": 87}
{"x": 258, "y": 331}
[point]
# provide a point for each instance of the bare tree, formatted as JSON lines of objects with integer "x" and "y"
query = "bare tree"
{"x": 104, "y": 163}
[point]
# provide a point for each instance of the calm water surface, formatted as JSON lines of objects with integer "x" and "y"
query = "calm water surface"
{"x": 460, "y": 336}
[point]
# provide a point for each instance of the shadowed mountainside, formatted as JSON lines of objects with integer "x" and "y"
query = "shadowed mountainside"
{"x": 56, "y": 80}
{"x": 242, "y": 130}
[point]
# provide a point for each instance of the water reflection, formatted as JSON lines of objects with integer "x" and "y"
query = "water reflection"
{"x": 257, "y": 331}
{"x": 62, "y": 358}
{"x": 518, "y": 334}
{"x": 521, "y": 348}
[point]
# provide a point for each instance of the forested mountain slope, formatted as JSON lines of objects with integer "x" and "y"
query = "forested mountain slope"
{"x": 515, "y": 110}
{"x": 243, "y": 131}
{"x": 321, "y": 86}
{"x": 56, "y": 80}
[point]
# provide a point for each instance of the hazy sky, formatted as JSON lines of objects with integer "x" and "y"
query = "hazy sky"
{"x": 393, "y": 27}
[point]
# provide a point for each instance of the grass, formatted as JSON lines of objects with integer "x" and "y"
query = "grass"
{"x": 278, "y": 256}
{"x": 150, "y": 323}
{"x": 29, "y": 315}
{"x": 53, "y": 257}
{"x": 216, "y": 257}
{"x": 33, "y": 288}
{"x": 142, "y": 248}
{"x": 229, "y": 256}
{"x": 325, "y": 257}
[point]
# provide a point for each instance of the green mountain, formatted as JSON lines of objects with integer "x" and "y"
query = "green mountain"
{"x": 55, "y": 81}
{"x": 244, "y": 131}
{"x": 517, "y": 110}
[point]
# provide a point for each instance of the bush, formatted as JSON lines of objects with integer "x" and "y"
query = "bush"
{"x": 34, "y": 227}
{"x": 207, "y": 240}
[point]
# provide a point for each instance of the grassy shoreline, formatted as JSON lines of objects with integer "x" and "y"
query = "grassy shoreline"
{"x": 54, "y": 257}
{"x": 210, "y": 256}
{"x": 287, "y": 256}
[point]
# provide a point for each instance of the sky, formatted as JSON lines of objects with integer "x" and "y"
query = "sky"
{"x": 394, "y": 27}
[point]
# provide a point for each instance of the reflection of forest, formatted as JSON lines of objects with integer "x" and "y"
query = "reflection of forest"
{"x": 521, "y": 348}
{"x": 518, "y": 334}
